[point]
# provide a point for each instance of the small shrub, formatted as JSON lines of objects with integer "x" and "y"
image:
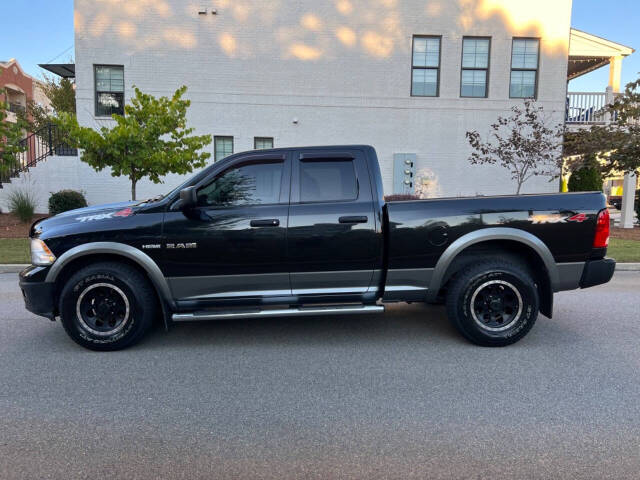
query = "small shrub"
{"x": 638, "y": 207}
{"x": 65, "y": 200}
{"x": 400, "y": 197}
{"x": 586, "y": 178}
{"x": 22, "y": 204}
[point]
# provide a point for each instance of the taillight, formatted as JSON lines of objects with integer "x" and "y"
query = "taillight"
{"x": 601, "y": 240}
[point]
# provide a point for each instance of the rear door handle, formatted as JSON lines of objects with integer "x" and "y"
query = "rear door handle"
{"x": 354, "y": 219}
{"x": 267, "y": 222}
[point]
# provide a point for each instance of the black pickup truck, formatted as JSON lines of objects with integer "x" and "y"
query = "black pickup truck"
{"x": 306, "y": 231}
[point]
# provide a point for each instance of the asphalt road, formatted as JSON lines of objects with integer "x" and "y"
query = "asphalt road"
{"x": 399, "y": 395}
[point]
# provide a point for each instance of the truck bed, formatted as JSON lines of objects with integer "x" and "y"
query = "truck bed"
{"x": 421, "y": 231}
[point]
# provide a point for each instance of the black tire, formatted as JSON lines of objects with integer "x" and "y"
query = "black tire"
{"x": 107, "y": 306}
{"x": 493, "y": 303}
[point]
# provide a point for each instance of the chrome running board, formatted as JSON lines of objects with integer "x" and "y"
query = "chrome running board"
{"x": 282, "y": 312}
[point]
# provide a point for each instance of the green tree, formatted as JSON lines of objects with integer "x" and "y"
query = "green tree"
{"x": 150, "y": 140}
{"x": 62, "y": 96}
{"x": 523, "y": 143}
{"x": 587, "y": 178}
{"x": 10, "y": 135}
{"x": 616, "y": 144}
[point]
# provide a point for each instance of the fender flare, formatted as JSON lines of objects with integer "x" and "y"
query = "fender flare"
{"x": 488, "y": 234}
{"x": 143, "y": 260}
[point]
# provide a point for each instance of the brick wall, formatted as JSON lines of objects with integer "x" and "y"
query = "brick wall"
{"x": 13, "y": 75}
{"x": 341, "y": 69}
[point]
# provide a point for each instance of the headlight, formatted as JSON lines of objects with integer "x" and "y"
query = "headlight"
{"x": 40, "y": 253}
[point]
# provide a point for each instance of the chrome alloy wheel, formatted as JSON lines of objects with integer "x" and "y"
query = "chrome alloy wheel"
{"x": 496, "y": 305}
{"x": 103, "y": 309}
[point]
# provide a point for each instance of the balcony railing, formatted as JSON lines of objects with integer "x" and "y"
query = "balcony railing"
{"x": 37, "y": 146}
{"x": 589, "y": 108}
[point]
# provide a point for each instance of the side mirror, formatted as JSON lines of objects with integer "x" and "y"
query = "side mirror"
{"x": 188, "y": 197}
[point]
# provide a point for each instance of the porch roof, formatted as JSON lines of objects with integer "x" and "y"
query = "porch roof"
{"x": 589, "y": 52}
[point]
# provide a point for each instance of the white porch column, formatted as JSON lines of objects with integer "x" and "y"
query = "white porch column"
{"x": 615, "y": 72}
{"x": 628, "y": 195}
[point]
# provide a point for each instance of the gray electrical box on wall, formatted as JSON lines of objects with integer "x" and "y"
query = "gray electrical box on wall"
{"x": 404, "y": 172}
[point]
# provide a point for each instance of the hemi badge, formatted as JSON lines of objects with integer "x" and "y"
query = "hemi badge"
{"x": 151, "y": 246}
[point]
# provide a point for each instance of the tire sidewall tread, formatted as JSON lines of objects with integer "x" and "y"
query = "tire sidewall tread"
{"x": 459, "y": 302}
{"x": 139, "y": 293}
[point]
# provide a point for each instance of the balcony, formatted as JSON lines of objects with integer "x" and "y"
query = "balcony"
{"x": 587, "y": 53}
{"x": 589, "y": 108}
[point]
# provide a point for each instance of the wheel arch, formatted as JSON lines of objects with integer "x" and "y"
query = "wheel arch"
{"x": 93, "y": 252}
{"x": 509, "y": 241}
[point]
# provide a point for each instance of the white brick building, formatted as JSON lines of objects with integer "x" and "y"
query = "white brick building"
{"x": 330, "y": 72}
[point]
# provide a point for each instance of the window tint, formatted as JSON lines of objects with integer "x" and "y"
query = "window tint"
{"x": 261, "y": 143}
{"x": 524, "y": 67}
{"x": 327, "y": 181}
{"x": 425, "y": 66}
{"x": 222, "y": 147}
{"x": 251, "y": 184}
{"x": 475, "y": 67}
{"x": 109, "y": 86}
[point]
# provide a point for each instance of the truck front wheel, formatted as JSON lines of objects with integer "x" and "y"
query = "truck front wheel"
{"x": 493, "y": 303}
{"x": 107, "y": 306}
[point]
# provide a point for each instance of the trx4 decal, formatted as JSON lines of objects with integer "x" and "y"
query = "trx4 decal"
{"x": 581, "y": 217}
{"x": 103, "y": 216}
{"x": 556, "y": 218}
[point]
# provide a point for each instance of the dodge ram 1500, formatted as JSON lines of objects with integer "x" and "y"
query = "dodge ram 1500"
{"x": 306, "y": 231}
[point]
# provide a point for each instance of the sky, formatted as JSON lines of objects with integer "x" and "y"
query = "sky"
{"x": 41, "y": 31}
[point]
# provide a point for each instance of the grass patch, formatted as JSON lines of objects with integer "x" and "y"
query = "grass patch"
{"x": 624, "y": 250}
{"x": 15, "y": 250}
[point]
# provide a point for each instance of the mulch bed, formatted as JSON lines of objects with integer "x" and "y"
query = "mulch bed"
{"x": 11, "y": 227}
{"x": 626, "y": 233}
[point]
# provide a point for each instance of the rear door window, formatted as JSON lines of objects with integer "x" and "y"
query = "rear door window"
{"x": 332, "y": 180}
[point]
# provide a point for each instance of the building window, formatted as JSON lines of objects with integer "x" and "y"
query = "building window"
{"x": 222, "y": 147}
{"x": 525, "y": 55}
{"x": 262, "y": 143}
{"x": 109, "y": 90}
{"x": 425, "y": 71}
{"x": 475, "y": 67}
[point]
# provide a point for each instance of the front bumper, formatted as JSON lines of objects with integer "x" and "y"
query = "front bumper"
{"x": 38, "y": 295}
{"x": 597, "y": 272}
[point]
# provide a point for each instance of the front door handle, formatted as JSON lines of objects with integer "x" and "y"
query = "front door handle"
{"x": 354, "y": 219}
{"x": 267, "y": 222}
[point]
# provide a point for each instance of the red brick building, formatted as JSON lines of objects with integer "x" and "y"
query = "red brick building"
{"x": 18, "y": 87}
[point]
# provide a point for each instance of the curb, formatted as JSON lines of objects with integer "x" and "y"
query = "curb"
{"x": 12, "y": 267}
{"x": 628, "y": 267}
{"x": 17, "y": 267}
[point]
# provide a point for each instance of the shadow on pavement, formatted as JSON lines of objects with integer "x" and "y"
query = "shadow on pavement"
{"x": 410, "y": 323}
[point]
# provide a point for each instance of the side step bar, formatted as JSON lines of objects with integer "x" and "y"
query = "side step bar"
{"x": 282, "y": 312}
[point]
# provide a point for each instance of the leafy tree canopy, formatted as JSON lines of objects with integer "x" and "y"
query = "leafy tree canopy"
{"x": 61, "y": 94}
{"x": 616, "y": 144}
{"x": 150, "y": 140}
{"x": 10, "y": 135}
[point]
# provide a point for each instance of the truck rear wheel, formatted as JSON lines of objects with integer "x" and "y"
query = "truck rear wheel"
{"x": 493, "y": 303}
{"x": 107, "y": 306}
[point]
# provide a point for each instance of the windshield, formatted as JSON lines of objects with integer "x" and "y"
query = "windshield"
{"x": 193, "y": 179}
